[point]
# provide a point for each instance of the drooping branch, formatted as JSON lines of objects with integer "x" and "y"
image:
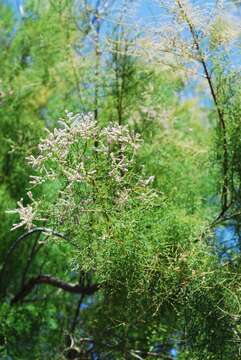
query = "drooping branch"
{"x": 24, "y": 236}
{"x": 60, "y": 284}
{"x": 141, "y": 355}
{"x": 220, "y": 113}
{"x": 77, "y": 311}
{"x": 35, "y": 249}
{"x": 76, "y": 315}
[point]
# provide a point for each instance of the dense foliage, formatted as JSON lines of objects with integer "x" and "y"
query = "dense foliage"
{"x": 109, "y": 210}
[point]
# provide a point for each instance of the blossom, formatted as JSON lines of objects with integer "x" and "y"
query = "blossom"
{"x": 35, "y": 162}
{"x": 26, "y": 214}
{"x": 148, "y": 181}
{"x": 119, "y": 134}
{"x": 57, "y": 144}
{"x": 78, "y": 175}
{"x": 123, "y": 196}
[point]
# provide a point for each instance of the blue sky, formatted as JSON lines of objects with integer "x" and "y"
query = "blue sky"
{"x": 147, "y": 6}
{"x": 149, "y": 10}
{"x": 14, "y": 3}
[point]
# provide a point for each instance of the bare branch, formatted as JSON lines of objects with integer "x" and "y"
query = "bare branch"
{"x": 27, "y": 234}
{"x": 141, "y": 355}
{"x": 60, "y": 284}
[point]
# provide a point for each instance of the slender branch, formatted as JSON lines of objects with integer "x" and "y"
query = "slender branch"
{"x": 25, "y": 236}
{"x": 35, "y": 249}
{"x": 60, "y": 284}
{"x": 143, "y": 354}
{"x": 215, "y": 99}
{"x": 77, "y": 311}
{"x": 76, "y": 315}
{"x": 221, "y": 218}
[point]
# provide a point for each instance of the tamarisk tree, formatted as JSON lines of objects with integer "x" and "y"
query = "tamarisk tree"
{"x": 120, "y": 230}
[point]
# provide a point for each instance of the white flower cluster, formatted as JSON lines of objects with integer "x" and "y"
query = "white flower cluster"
{"x": 123, "y": 197}
{"x": 78, "y": 175}
{"x": 81, "y": 152}
{"x": 121, "y": 136}
{"x": 27, "y": 214}
{"x": 113, "y": 140}
{"x": 57, "y": 143}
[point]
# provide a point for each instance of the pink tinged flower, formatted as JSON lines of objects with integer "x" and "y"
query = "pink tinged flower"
{"x": 35, "y": 162}
{"x": 26, "y": 214}
{"x": 36, "y": 180}
{"x": 78, "y": 175}
{"x": 123, "y": 196}
{"x": 148, "y": 181}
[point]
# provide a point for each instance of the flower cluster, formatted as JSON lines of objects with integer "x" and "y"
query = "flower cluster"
{"x": 121, "y": 138}
{"x": 57, "y": 143}
{"x": 92, "y": 168}
{"x": 114, "y": 141}
{"x": 119, "y": 134}
{"x": 27, "y": 214}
